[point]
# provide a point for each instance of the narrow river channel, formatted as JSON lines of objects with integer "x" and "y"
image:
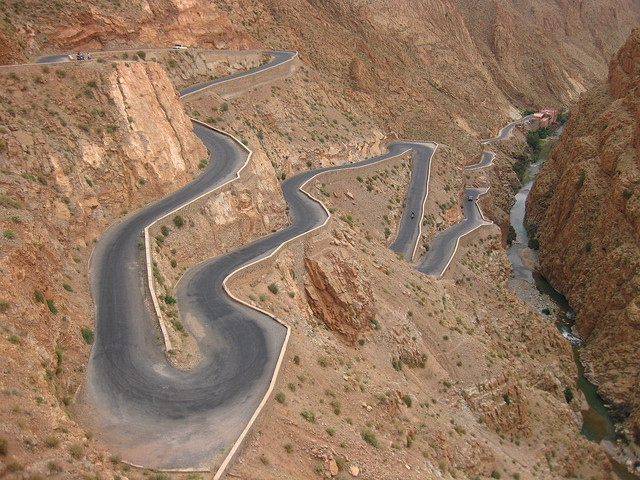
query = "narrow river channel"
{"x": 597, "y": 423}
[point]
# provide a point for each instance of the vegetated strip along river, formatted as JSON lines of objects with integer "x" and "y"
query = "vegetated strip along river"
{"x": 597, "y": 425}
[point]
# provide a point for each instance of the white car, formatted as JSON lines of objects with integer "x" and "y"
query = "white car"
{"x": 470, "y": 198}
{"x": 179, "y": 47}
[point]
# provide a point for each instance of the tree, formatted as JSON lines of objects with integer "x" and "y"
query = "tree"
{"x": 533, "y": 140}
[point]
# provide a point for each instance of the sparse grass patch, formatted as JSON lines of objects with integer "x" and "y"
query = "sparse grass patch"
{"x": 51, "y": 442}
{"x": 76, "y": 450}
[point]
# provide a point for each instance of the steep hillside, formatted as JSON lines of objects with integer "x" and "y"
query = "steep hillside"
{"x": 585, "y": 207}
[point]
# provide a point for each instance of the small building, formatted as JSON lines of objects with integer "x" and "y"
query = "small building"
{"x": 544, "y": 118}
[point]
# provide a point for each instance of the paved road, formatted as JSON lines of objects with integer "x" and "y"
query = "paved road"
{"x": 506, "y": 130}
{"x": 409, "y": 229}
{"x": 278, "y": 57}
{"x": 53, "y": 59}
{"x": 443, "y": 246}
{"x": 485, "y": 161}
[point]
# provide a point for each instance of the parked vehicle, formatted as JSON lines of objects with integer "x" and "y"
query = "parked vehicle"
{"x": 470, "y": 198}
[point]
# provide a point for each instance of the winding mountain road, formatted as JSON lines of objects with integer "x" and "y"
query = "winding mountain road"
{"x": 155, "y": 414}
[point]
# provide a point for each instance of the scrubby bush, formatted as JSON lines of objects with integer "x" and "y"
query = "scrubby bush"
{"x": 369, "y": 437}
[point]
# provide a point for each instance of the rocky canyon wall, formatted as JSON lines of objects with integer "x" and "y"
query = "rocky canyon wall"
{"x": 585, "y": 205}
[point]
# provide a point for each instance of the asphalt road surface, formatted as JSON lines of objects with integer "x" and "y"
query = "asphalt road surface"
{"x": 443, "y": 246}
{"x": 53, "y": 59}
{"x": 278, "y": 56}
{"x": 409, "y": 228}
{"x": 506, "y": 130}
{"x": 485, "y": 161}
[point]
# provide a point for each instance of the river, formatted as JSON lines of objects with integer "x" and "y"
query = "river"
{"x": 597, "y": 423}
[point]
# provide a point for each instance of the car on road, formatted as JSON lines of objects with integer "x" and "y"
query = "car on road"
{"x": 470, "y": 198}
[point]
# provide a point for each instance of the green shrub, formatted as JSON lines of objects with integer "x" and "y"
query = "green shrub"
{"x": 4, "y": 306}
{"x": 533, "y": 140}
{"x": 164, "y": 230}
{"x": 87, "y": 334}
{"x": 568, "y": 394}
{"x": 4, "y": 446}
{"x": 308, "y": 415}
{"x": 506, "y": 398}
{"x": 273, "y": 288}
{"x": 534, "y": 244}
{"x": 142, "y": 54}
{"x": 407, "y": 400}
{"x": 288, "y": 448}
{"x": 178, "y": 221}
{"x": 280, "y": 397}
{"x": 396, "y": 363}
{"x": 67, "y": 287}
{"x": 495, "y": 474}
{"x": 52, "y": 307}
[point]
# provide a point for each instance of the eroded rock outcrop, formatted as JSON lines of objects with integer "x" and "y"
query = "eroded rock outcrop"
{"x": 337, "y": 292}
{"x": 585, "y": 206}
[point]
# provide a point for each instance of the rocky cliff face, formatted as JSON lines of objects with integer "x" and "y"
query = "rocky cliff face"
{"x": 585, "y": 206}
